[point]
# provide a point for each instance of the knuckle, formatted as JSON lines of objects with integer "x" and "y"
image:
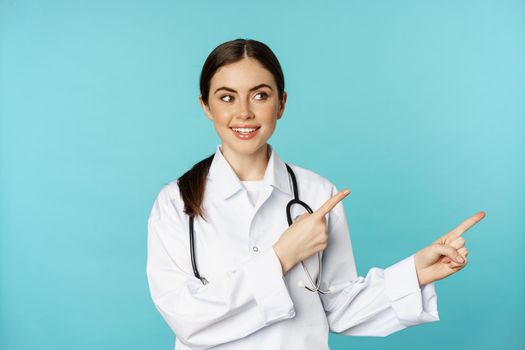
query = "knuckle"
{"x": 321, "y": 237}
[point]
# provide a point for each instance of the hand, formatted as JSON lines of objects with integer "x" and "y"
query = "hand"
{"x": 447, "y": 255}
{"x": 307, "y": 235}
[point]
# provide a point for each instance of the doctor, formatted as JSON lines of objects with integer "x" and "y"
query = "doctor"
{"x": 247, "y": 287}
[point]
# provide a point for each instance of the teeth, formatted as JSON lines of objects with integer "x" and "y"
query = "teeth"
{"x": 244, "y": 130}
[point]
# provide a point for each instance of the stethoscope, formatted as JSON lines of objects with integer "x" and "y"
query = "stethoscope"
{"x": 295, "y": 200}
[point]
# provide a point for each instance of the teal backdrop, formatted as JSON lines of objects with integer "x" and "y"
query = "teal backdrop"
{"x": 417, "y": 106}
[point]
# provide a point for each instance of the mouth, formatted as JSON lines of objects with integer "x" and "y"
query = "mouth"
{"x": 245, "y": 133}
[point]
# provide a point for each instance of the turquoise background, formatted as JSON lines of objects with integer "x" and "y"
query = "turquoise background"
{"x": 417, "y": 106}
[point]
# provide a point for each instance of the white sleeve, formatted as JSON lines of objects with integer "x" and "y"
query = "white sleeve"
{"x": 236, "y": 304}
{"x": 383, "y": 302}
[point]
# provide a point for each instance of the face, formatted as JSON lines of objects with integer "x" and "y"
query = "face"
{"x": 244, "y": 105}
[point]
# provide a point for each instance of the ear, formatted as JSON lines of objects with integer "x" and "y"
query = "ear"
{"x": 281, "y": 107}
{"x": 205, "y": 108}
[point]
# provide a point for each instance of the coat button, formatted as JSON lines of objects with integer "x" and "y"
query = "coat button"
{"x": 255, "y": 249}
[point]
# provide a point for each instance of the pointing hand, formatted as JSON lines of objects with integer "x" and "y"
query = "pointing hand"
{"x": 307, "y": 235}
{"x": 445, "y": 256}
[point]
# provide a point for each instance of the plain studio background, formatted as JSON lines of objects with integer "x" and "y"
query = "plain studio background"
{"x": 418, "y": 107}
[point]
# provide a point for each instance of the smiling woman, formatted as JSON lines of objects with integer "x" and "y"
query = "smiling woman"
{"x": 246, "y": 104}
{"x": 255, "y": 294}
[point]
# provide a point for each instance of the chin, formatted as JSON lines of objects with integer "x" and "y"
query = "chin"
{"x": 244, "y": 148}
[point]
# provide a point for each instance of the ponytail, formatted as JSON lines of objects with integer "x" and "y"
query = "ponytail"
{"x": 192, "y": 185}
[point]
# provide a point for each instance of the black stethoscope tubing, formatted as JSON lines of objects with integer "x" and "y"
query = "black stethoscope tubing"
{"x": 295, "y": 200}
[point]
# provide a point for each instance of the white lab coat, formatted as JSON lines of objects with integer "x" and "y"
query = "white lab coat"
{"x": 248, "y": 304}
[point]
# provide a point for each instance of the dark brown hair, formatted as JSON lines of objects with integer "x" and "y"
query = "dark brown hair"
{"x": 193, "y": 182}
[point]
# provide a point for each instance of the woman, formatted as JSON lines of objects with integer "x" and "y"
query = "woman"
{"x": 244, "y": 286}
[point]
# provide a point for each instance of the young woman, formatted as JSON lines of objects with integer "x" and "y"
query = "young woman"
{"x": 235, "y": 258}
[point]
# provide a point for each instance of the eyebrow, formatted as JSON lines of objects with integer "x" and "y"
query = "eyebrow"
{"x": 252, "y": 89}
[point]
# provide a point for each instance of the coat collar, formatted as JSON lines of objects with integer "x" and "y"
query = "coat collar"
{"x": 225, "y": 181}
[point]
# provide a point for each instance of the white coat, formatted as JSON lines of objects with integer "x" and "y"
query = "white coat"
{"x": 248, "y": 304}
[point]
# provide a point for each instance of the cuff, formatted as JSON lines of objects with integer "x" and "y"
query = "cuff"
{"x": 413, "y": 305}
{"x": 265, "y": 278}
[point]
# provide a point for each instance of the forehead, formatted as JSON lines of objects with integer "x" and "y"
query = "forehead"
{"x": 245, "y": 73}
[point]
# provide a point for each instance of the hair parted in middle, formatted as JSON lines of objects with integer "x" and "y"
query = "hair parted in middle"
{"x": 193, "y": 182}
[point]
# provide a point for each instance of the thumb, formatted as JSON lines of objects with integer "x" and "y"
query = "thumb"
{"x": 449, "y": 251}
{"x": 301, "y": 217}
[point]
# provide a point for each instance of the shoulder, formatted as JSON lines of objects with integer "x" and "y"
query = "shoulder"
{"x": 312, "y": 180}
{"x": 168, "y": 201}
{"x": 315, "y": 190}
{"x": 171, "y": 190}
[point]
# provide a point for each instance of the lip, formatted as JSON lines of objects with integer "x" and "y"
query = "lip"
{"x": 245, "y": 136}
{"x": 245, "y": 126}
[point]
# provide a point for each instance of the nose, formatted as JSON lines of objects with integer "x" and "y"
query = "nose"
{"x": 245, "y": 110}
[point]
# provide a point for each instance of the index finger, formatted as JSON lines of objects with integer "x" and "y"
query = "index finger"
{"x": 332, "y": 202}
{"x": 465, "y": 225}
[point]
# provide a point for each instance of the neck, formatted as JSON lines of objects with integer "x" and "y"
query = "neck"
{"x": 248, "y": 167}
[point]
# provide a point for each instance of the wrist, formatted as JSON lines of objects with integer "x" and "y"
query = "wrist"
{"x": 286, "y": 262}
{"x": 422, "y": 279}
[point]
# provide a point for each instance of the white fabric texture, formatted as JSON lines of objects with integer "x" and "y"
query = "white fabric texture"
{"x": 248, "y": 303}
{"x": 253, "y": 188}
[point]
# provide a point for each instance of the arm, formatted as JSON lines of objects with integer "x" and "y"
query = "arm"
{"x": 383, "y": 302}
{"x": 236, "y": 304}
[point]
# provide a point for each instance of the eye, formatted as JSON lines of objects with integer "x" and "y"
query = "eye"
{"x": 263, "y": 94}
{"x": 226, "y": 98}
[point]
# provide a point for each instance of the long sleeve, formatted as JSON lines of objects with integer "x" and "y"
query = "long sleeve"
{"x": 230, "y": 307}
{"x": 383, "y": 302}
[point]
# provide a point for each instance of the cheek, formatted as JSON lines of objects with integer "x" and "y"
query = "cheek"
{"x": 219, "y": 112}
{"x": 221, "y": 117}
{"x": 270, "y": 127}
{"x": 268, "y": 110}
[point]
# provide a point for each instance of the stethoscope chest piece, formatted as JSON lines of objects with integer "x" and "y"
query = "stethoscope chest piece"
{"x": 296, "y": 200}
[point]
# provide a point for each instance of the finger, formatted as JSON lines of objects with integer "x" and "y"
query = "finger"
{"x": 463, "y": 251}
{"x": 332, "y": 202}
{"x": 458, "y": 242}
{"x": 450, "y": 252}
{"x": 301, "y": 216}
{"x": 455, "y": 265}
{"x": 465, "y": 225}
